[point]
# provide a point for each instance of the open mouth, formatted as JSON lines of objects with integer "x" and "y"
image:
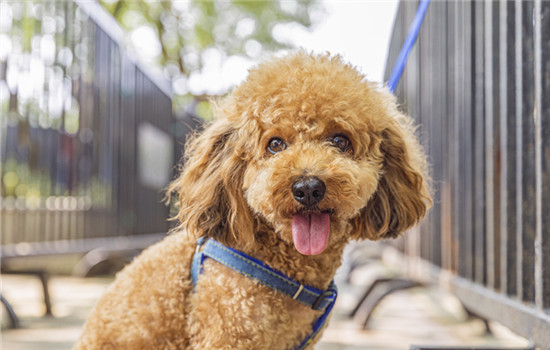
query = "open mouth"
{"x": 310, "y": 230}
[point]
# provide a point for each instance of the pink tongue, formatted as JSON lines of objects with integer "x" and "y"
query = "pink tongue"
{"x": 310, "y": 233}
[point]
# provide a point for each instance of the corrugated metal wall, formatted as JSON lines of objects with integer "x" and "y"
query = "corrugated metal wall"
{"x": 478, "y": 82}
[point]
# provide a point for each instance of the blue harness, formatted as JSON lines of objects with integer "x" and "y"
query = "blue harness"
{"x": 321, "y": 300}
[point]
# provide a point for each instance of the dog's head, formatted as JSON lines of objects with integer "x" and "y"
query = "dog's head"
{"x": 307, "y": 147}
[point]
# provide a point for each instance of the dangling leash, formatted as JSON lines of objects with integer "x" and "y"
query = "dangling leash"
{"x": 399, "y": 65}
{"x": 316, "y": 299}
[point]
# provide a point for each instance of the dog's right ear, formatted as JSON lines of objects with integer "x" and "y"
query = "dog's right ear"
{"x": 403, "y": 195}
{"x": 209, "y": 189}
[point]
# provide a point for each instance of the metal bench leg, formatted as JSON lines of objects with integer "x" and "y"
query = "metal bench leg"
{"x": 44, "y": 277}
{"x": 470, "y": 313}
{"x": 13, "y": 317}
{"x": 374, "y": 295}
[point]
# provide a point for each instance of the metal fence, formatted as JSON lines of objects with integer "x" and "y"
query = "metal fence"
{"x": 87, "y": 133}
{"x": 478, "y": 82}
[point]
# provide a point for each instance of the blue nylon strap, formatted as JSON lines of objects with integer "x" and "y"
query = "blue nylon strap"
{"x": 407, "y": 45}
{"x": 321, "y": 321}
{"x": 248, "y": 266}
{"x": 317, "y": 299}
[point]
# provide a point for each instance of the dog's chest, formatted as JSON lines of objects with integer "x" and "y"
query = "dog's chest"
{"x": 237, "y": 312}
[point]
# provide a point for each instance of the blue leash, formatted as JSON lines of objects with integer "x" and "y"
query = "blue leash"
{"x": 399, "y": 65}
{"x": 317, "y": 299}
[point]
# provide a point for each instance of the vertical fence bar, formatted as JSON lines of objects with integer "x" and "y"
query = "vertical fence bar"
{"x": 426, "y": 120}
{"x": 502, "y": 113}
{"x": 497, "y": 136}
{"x": 538, "y": 161}
{"x": 438, "y": 133}
{"x": 88, "y": 132}
{"x": 528, "y": 154}
{"x": 519, "y": 143}
{"x": 545, "y": 150}
{"x": 468, "y": 255}
{"x": 443, "y": 231}
{"x": 507, "y": 145}
{"x": 128, "y": 187}
{"x": 489, "y": 134}
{"x": 454, "y": 24}
{"x": 430, "y": 108}
{"x": 479, "y": 145}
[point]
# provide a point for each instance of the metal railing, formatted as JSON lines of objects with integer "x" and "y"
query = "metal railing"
{"x": 478, "y": 83}
{"x": 87, "y": 133}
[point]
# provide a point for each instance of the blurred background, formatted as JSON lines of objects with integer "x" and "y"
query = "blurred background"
{"x": 97, "y": 97}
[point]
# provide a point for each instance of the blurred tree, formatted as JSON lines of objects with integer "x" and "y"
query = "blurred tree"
{"x": 186, "y": 31}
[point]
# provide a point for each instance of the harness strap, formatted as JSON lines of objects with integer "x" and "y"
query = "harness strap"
{"x": 317, "y": 299}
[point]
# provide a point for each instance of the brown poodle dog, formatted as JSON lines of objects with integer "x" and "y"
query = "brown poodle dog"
{"x": 304, "y": 156}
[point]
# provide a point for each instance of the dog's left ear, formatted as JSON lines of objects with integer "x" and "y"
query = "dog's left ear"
{"x": 403, "y": 194}
{"x": 210, "y": 186}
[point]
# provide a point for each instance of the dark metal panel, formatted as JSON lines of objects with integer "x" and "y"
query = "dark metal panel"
{"x": 490, "y": 153}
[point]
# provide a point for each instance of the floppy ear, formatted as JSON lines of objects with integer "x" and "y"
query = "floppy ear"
{"x": 403, "y": 193}
{"x": 210, "y": 187}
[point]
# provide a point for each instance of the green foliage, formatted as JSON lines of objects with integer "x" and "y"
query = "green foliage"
{"x": 185, "y": 29}
{"x": 204, "y": 110}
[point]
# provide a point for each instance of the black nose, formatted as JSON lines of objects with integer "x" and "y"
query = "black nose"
{"x": 308, "y": 190}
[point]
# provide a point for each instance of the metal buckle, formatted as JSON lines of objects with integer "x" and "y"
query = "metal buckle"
{"x": 327, "y": 294}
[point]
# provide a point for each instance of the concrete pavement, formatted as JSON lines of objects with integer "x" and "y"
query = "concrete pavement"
{"x": 424, "y": 316}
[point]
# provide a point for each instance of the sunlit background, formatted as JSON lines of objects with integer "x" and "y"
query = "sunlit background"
{"x": 84, "y": 99}
{"x": 219, "y": 41}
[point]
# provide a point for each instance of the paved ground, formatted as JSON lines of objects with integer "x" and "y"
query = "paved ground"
{"x": 424, "y": 316}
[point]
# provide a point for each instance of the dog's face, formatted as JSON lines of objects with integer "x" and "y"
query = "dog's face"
{"x": 315, "y": 165}
{"x": 310, "y": 181}
{"x": 309, "y": 147}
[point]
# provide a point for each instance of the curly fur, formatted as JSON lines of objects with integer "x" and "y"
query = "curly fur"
{"x": 232, "y": 189}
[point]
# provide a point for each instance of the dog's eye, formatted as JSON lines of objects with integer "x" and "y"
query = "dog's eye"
{"x": 341, "y": 142}
{"x": 276, "y": 145}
